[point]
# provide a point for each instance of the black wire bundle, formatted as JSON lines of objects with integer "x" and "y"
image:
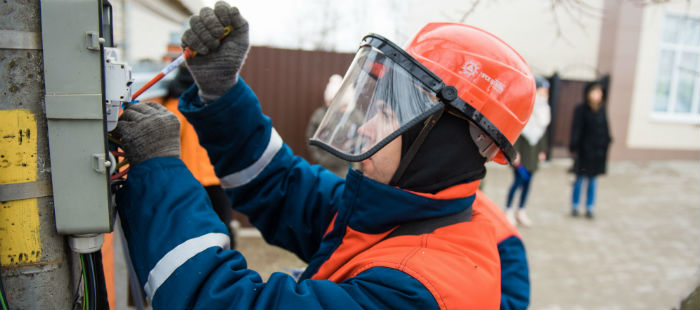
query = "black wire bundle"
{"x": 102, "y": 300}
{"x": 94, "y": 288}
{"x": 3, "y": 296}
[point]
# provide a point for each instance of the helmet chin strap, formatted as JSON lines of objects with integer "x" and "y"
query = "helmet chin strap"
{"x": 487, "y": 148}
{"x": 413, "y": 149}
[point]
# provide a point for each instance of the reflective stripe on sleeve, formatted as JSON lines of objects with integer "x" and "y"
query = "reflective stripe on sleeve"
{"x": 178, "y": 256}
{"x": 246, "y": 175}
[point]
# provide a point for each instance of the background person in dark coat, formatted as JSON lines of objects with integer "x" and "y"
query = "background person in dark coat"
{"x": 590, "y": 138}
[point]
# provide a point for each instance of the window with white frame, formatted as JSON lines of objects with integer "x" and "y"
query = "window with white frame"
{"x": 677, "y": 95}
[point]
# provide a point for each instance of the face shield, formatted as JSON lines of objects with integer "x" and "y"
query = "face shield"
{"x": 377, "y": 101}
{"x": 384, "y": 93}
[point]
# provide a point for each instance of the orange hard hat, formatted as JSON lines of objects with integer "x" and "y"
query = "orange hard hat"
{"x": 489, "y": 75}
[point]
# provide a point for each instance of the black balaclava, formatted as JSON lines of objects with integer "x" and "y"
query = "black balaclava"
{"x": 447, "y": 156}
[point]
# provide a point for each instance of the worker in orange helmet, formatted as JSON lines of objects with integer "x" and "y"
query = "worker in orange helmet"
{"x": 407, "y": 230}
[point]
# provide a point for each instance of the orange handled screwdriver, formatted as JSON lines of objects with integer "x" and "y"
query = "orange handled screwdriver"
{"x": 187, "y": 54}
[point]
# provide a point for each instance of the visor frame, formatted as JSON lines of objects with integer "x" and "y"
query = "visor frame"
{"x": 406, "y": 61}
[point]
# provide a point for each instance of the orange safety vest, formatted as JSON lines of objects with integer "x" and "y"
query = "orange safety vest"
{"x": 490, "y": 209}
{"x": 457, "y": 263}
{"x": 192, "y": 153}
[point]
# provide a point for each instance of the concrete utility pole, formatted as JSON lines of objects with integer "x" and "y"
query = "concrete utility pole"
{"x": 35, "y": 261}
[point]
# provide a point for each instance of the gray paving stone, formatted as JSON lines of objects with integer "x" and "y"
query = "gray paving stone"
{"x": 641, "y": 251}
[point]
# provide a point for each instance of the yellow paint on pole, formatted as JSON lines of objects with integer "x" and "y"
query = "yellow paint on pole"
{"x": 19, "y": 219}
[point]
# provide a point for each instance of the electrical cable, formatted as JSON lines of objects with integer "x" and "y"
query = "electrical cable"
{"x": 90, "y": 285}
{"x": 187, "y": 54}
{"x": 115, "y": 153}
{"x": 85, "y": 280}
{"x": 119, "y": 174}
{"x": 2, "y": 300}
{"x": 122, "y": 164}
{"x": 101, "y": 297}
{"x": 115, "y": 140}
{"x": 3, "y": 296}
{"x": 116, "y": 185}
{"x": 93, "y": 283}
{"x": 94, "y": 286}
{"x": 119, "y": 165}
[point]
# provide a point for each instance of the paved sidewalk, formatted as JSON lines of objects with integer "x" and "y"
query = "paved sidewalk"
{"x": 642, "y": 250}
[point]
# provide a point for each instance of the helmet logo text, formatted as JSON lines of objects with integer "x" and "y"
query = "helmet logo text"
{"x": 470, "y": 68}
{"x": 493, "y": 83}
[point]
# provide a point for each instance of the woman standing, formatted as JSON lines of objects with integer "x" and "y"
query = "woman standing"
{"x": 590, "y": 138}
{"x": 531, "y": 147}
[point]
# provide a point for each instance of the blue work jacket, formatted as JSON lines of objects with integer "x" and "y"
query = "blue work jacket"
{"x": 179, "y": 246}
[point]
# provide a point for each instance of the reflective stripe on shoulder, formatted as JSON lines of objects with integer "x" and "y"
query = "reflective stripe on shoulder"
{"x": 178, "y": 256}
{"x": 246, "y": 175}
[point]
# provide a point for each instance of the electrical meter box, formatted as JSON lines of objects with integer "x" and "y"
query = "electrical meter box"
{"x": 85, "y": 85}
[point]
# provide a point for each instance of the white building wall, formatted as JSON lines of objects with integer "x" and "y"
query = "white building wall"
{"x": 645, "y": 130}
{"x": 149, "y": 32}
{"x": 142, "y": 28}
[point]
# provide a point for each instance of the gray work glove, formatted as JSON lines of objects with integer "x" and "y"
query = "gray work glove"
{"x": 148, "y": 130}
{"x": 216, "y": 65}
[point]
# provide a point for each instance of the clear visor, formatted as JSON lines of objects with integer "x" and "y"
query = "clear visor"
{"x": 378, "y": 101}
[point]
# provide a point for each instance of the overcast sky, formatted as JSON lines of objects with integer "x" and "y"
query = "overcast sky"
{"x": 301, "y": 23}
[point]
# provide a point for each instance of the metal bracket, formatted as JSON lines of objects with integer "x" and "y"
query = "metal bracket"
{"x": 93, "y": 41}
{"x": 99, "y": 163}
{"x": 19, "y": 191}
{"x": 14, "y": 39}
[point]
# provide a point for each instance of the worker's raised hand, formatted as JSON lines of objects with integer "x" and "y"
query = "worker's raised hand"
{"x": 148, "y": 130}
{"x": 218, "y": 60}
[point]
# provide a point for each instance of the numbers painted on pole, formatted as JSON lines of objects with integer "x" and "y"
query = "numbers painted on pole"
{"x": 19, "y": 219}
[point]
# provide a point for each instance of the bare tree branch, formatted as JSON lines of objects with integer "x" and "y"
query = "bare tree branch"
{"x": 328, "y": 26}
{"x": 553, "y": 9}
{"x": 648, "y": 2}
{"x": 559, "y": 33}
{"x": 574, "y": 10}
{"x": 475, "y": 3}
{"x": 565, "y": 6}
{"x": 586, "y": 9}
